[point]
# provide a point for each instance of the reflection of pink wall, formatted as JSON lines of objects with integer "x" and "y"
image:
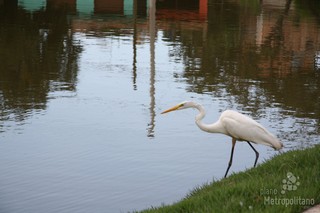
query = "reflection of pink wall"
{"x": 182, "y": 14}
{"x": 108, "y": 6}
{"x": 300, "y": 40}
{"x": 203, "y": 7}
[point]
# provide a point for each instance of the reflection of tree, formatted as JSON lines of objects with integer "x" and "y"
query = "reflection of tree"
{"x": 228, "y": 64}
{"x": 38, "y": 55}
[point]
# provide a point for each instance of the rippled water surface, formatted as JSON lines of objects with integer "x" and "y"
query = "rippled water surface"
{"x": 82, "y": 85}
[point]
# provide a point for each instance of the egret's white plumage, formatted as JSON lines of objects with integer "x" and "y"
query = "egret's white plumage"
{"x": 234, "y": 124}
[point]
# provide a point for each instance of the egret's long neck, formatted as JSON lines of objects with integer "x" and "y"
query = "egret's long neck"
{"x": 213, "y": 128}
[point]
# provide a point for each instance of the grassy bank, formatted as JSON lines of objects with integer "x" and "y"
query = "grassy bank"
{"x": 289, "y": 182}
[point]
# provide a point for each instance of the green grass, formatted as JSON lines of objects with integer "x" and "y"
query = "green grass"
{"x": 259, "y": 189}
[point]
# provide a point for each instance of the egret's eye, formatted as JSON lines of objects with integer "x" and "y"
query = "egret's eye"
{"x": 181, "y": 105}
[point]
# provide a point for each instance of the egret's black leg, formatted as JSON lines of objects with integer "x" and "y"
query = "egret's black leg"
{"x": 257, "y": 153}
{"x": 231, "y": 156}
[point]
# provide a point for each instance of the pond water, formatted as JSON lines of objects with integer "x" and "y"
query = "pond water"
{"x": 83, "y": 83}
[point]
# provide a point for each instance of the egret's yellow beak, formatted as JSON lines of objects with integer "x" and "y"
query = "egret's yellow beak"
{"x": 171, "y": 109}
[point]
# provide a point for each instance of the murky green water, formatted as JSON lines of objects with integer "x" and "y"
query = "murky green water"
{"x": 82, "y": 86}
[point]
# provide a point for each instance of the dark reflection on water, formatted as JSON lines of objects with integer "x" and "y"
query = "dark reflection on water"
{"x": 38, "y": 56}
{"x": 243, "y": 48}
{"x": 99, "y": 73}
{"x": 257, "y": 56}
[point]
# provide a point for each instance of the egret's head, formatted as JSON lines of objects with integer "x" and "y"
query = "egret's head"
{"x": 182, "y": 105}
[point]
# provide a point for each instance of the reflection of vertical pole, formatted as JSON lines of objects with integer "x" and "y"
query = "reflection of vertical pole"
{"x": 152, "y": 32}
{"x": 259, "y": 33}
{"x": 134, "y": 63}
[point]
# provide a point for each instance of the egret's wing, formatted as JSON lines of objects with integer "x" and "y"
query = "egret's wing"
{"x": 244, "y": 128}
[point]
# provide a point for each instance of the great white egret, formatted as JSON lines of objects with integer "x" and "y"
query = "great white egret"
{"x": 235, "y": 125}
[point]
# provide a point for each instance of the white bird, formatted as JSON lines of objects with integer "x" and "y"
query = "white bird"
{"x": 236, "y": 125}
